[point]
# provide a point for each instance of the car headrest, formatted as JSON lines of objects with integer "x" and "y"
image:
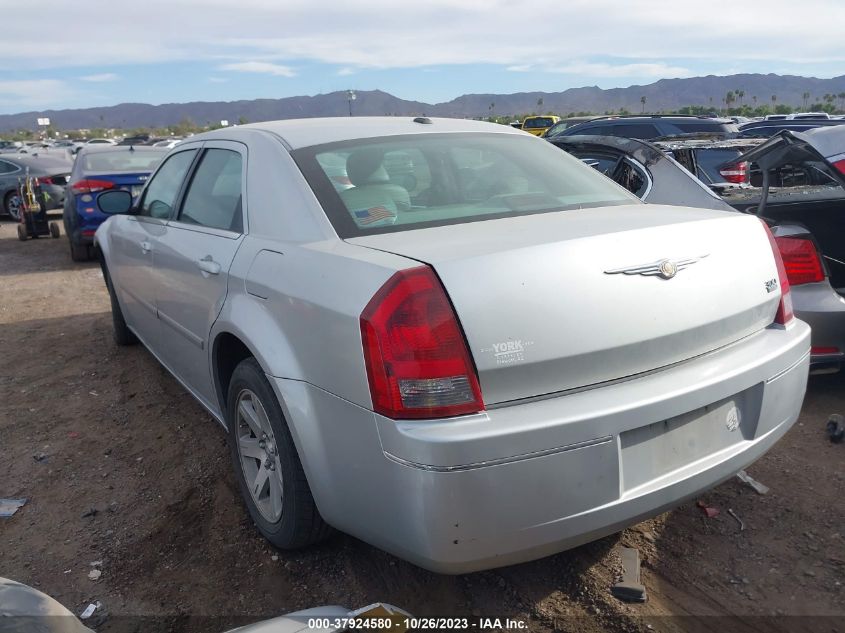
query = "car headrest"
{"x": 364, "y": 167}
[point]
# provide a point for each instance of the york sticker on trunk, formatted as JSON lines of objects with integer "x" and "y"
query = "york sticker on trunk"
{"x": 508, "y": 352}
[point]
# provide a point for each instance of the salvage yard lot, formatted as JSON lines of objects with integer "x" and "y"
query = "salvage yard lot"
{"x": 121, "y": 465}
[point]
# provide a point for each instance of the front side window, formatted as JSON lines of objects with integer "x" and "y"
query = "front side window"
{"x": 161, "y": 192}
{"x": 408, "y": 182}
{"x": 213, "y": 198}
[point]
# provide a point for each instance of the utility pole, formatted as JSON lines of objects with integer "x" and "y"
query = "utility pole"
{"x": 350, "y": 97}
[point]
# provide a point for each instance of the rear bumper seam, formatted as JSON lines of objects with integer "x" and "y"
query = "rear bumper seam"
{"x": 502, "y": 460}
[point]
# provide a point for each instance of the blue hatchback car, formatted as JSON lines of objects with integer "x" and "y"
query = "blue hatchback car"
{"x": 101, "y": 168}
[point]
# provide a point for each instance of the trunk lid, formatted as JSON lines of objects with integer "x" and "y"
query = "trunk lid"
{"x": 541, "y": 314}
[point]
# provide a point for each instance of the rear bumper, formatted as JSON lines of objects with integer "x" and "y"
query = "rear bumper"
{"x": 524, "y": 481}
{"x": 823, "y": 309}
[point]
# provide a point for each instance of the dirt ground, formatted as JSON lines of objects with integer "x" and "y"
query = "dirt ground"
{"x": 120, "y": 465}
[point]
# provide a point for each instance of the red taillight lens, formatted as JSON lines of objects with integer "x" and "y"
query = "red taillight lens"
{"x": 91, "y": 185}
{"x": 736, "y": 173}
{"x": 418, "y": 364}
{"x": 840, "y": 165}
{"x": 824, "y": 350}
{"x": 784, "y": 314}
{"x": 801, "y": 260}
{"x": 45, "y": 180}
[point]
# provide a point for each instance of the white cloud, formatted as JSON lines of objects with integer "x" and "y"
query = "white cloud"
{"x": 651, "y": 70}
{"x": 387, "y": 34}
{"x": 267, "y": 68}
{"x": 100, "y": 77}
{"x": 345, "y": 72}
{"x": 33, "y": 92}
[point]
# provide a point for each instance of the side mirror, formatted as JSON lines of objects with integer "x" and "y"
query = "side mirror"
{"x": 114, "y": 202}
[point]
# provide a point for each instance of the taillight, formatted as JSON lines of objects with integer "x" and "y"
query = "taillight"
{"x": 801, "y": 260}
{"x": 91, "y": 185}
{"x": 840, "y": 165}
{"x": 784, "y": 314}
{"x": 735, "y": 172}
{"x": 418, "y": 364}
{"x": 45, "y": 180}
{"x": 824, "y": 350}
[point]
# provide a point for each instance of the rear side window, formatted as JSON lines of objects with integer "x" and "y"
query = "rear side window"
{"x": 634, "y": 130}
{"x": 408, "y": 182}
{"x": 704, "y": 126}
{"x": 7, "y": 168}
{"x": 214, "y": 195}
{"x": 162, "y": 190}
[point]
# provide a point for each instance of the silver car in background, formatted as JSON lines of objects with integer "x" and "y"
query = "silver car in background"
{"x": 477, "y": 351}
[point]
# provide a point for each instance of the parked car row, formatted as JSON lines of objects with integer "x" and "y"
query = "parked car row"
{"x": 656, "y": 126}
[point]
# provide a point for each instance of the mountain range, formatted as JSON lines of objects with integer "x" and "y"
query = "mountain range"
{"x": 662, "y": 95}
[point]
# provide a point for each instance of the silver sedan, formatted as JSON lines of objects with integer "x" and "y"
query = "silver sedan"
{"x": 449, "y": 338}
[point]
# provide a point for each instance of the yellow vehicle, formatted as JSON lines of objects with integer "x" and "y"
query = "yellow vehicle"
{"x": 536, "y": 125}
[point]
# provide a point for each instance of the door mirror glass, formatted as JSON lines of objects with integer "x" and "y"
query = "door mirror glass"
{"x": 114, "y": 202}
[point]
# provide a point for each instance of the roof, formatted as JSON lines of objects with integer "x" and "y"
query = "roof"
{"x": 316, "y": 131}
{"x": 103, "y": 148}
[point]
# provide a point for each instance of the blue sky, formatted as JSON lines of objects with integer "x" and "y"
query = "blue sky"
{"x": 210, "y": 50}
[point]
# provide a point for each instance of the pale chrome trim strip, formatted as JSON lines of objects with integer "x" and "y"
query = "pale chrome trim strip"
{"x": 181, "y": 329}
{"x": 499, "y": 461}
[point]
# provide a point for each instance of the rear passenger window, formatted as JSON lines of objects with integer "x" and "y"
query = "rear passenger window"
{"x": 214, "y": 195}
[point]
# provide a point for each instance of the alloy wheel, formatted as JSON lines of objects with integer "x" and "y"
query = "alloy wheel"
{"x": 262, "y": 469}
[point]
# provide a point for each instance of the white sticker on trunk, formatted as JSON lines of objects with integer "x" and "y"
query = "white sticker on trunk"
{"x": 509, "y": 352}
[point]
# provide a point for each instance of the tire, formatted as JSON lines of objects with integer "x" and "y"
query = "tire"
{"x": 54, "y": 230}
{"x": 78, "y": 252}
{"x": 11, "y": 205}
{"x": 293, "y": 521}
{"x": 123, "y": 336}
{"x": 22, "y": 233}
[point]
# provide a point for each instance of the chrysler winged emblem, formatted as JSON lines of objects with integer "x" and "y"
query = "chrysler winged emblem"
{"x": 665, "y": 268}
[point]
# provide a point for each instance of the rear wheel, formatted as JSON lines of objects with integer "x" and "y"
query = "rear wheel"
{"x": 22, "y": 233}
{"x": 122, "y": 334}
{"x": 78, "y": 252}
{"x": 266, "y": 463}
{"x": 12, "y": 205}
{"x": 54, "y": 230}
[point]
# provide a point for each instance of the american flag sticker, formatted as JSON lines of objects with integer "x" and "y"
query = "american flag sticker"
{"x": 373, "y": 215}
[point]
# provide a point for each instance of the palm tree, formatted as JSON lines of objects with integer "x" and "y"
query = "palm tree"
{"x": 806, "y": 97}
{"x": 642, "y": 101}
{"x": 539, "y": 103}
{"x": 754, "y": 99}
{"x": 841, "y": 97}
{"x": 729, "y": 99}
{"x": 741, "y": 95}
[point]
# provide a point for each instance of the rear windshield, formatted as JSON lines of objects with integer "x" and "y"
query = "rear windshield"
{"x": 538, "y": 122}
{"x": 121, "y": 161}
{"x": 390, "y": 184}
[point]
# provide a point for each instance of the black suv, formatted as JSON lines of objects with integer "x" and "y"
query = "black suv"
{"x": 652, "y": 126}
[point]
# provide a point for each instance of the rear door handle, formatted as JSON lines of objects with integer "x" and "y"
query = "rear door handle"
{"x": 208, "y": 265}
{"x": 146, "y": 247}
